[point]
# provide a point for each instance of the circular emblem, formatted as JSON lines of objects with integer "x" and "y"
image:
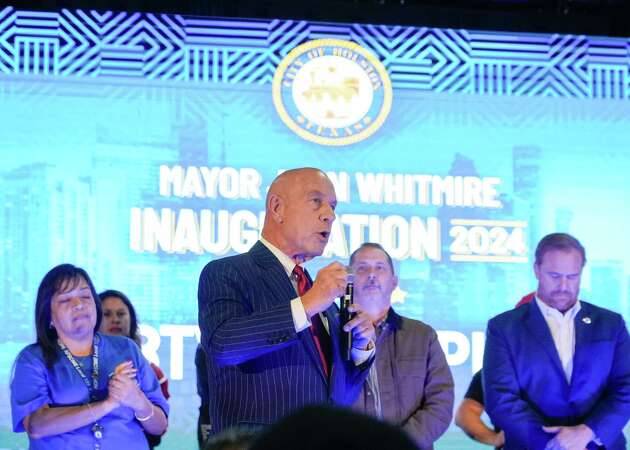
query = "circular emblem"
{"x": 332, "y": 92}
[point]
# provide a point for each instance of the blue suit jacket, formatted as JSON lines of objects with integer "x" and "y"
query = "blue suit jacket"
{"x": 259, "y": 368}
{"x": 526, "y": 388}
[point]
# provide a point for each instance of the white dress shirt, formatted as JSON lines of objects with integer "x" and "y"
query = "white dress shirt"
{"x": 562, "y": 328}
{"x": 300, "y": 319}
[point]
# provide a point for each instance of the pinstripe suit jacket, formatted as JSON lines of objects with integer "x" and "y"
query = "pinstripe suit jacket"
{"x": 259, "y": 368}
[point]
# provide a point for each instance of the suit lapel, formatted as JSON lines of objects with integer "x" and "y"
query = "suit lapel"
{"x": 584, "y": 328}
{"x": 273, "y": 276}
{"x": 309, "y": 342}
{"x": 278, "y": 283}
{"x": 537, "y": 326}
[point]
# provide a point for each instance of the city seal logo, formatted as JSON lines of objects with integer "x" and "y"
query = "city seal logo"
{"x": 332, "y": 92}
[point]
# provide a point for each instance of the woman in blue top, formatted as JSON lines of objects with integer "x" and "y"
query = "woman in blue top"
{"x": 76, "y": 388}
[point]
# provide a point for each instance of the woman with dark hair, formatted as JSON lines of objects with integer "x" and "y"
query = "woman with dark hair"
{"x": 120, "y": 319}
{"x": 119, "y": 316}
{"x": 76, "y": 388}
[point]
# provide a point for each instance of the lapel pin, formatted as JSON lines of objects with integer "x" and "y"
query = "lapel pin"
{"x": 586, "y": 320}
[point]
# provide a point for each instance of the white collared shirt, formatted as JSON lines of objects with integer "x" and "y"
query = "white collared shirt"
{"x": 562, "y": 328}
{"x": 300, "y": 319}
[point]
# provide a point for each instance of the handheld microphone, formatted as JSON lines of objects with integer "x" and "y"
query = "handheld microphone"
{"x": 346, "y": 300}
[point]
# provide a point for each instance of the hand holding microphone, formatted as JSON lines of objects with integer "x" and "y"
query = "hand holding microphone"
{"x": 329, "y": 284}
{"x": 363, "y": 331}
{"x": 346, "y": 314}
{"x": 332, "y": 282}
{"x": 357, "y": 328}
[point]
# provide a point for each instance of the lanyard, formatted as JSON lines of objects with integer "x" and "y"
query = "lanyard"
{"x": 93, "y": 386}
{"x": 97, "y": 429}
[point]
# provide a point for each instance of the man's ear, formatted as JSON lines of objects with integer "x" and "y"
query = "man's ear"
{"x": 537, "y": 271}
{"x": 276, "y": 208}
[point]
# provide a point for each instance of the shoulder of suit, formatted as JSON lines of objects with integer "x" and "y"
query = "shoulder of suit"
{"x": 594, "y": 310}
{"x": 516, "y": 315}
{"x": 228, "y": 263}
{"x": 513, "y": 315}
{"x": 415, "y": 326}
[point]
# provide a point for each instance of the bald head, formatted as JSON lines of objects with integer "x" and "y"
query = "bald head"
{"x": 299, "y": 212}
{"x": 283, "y": 183}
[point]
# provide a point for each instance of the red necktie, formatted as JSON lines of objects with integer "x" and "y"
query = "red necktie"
{"x": 319, "y": 333}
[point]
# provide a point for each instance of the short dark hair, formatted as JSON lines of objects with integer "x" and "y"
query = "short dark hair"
{"x": 235, "y": 438}
{"x": 329, "y": 427}
{"x": 58, "y": 277}
{"x": 375, "y": 246}
{"x": 133, "y": 318}
{"x": 559, "y": 241}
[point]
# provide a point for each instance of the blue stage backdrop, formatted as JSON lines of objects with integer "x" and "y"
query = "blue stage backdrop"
{"x": 141, "y": 146}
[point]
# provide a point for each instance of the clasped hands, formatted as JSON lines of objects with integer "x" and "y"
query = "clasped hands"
{"x": 569, "y": 437}
{"x": 123, "y": 388}
{"x": 330, "y": 284}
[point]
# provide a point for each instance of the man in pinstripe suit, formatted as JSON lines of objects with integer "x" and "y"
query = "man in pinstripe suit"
{"x": 259, "y": 315}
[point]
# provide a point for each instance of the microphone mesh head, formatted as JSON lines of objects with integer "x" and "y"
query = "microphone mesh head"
{"x": 350, "y": 278}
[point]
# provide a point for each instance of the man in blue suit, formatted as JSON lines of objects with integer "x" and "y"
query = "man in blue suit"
{"x": 271, "y": 335}
{"x": 556, "y": 371}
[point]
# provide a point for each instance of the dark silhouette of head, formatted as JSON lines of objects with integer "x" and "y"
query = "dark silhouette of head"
{"x": 329, "y": 428}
